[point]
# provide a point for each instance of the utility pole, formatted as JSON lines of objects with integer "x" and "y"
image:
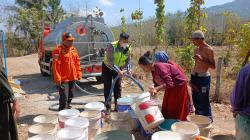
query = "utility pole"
{"x": 86, "y": 7}
{"x": 140, "y": 33}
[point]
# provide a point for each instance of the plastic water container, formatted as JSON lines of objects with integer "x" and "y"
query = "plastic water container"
{"x": 43, "y": 137}
{"x": 114, "y": 135}
{"x": 66, "y": 114}
{"x": 120, "y": 121}
{"x": 147, "y": 133}
{"x": 166, "y": 135}
{"x": 95, "y": 122}
{"x": 149, "y": 114}
{"x": 94, "y": 106}
{"x": 203, "y": 122}
{"x": 71, "y": 134}
{"x": 49, "y": 118}
{"x": 166, "y": 125}
{"x": 123, "y": 104}
{"x": 142, "y": 98}
{"x": 78, "y": 122}
{"x": 135, "y": 123}
{"x": 42, "y": 128}
{"x": 187, "y": 130}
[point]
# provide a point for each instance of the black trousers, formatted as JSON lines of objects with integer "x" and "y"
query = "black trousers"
{"x": 108, "y": 75}
{"x": 66, "y": 92}
{"x": 8, "y": 130}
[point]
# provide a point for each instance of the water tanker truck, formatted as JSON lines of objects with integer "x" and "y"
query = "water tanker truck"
{"x": 92, "y": 36}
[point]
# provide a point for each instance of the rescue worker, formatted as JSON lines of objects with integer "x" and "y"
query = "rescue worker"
{"x": 66, "y": 70}
{"x": 9, "y": 109}
{"x": 116, "y": 59}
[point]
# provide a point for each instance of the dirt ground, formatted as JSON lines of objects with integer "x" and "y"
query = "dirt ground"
{"x": 43, "y": 93}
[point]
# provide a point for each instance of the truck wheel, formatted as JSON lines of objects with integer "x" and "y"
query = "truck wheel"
{"x": 99, "y": 79}
{"x": 44, "y": 74}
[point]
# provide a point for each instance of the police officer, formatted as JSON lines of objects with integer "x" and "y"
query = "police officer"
{"x": 117, "y": 58}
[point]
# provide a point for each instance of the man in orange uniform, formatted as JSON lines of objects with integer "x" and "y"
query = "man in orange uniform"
{"x": 66, "y": 70}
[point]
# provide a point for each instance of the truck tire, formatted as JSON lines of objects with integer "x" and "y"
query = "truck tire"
{"x": 99, "y": 79}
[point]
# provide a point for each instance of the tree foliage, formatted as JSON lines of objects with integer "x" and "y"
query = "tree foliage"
{"x": 123, "y": 22}
{"x": 54, "y": 11}
{"x": 137, "y": 15}
{"x": 231, "y": 26}
{"x": 160, "y": 22}
{"x": 31, "y": 16}
{"x": 194, "y": 17}
{"x": 244, "y": 43}
{"x": 175, "y": 28}
{"x": 185, "y": 57}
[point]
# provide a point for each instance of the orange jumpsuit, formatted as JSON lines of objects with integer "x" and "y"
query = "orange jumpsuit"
{"x": 66, "y": 70}
{"x": 66, "y": 64}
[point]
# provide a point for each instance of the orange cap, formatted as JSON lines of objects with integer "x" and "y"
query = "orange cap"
{"x": 67, "y": 36}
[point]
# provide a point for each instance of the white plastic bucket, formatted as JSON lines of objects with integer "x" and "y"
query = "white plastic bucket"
{"x": 66, "y": 114}
{"x": 149, "y": 114}
{"x": 203, "y": 122}
{"x": 142, "y": 98}
{"x": 166, "y": 135}
{"x": 94, "y": 106}
{"x": 42, "y": 128}
{"x": 49, "y": 118}
{"x": 120, "y": 121}
{"x": 124, "y": 104}
{"x": 43, "y": 137}
{"x": 71, "y": 134}
{"x": 95, "y": 122}
{"x": 187, "y": 130}
{"x": 114, "y": 135}
{"x": 78, "y": 122}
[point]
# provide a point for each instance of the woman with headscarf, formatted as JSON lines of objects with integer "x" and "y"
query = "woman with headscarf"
{"x": 173, "y": 80}
{"x": 162, "y": 56}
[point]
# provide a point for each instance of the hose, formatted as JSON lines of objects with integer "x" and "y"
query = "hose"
{"x": 54, "y": 107}
{"x": 113, "y": 85}
{"x": 87, "y": 92}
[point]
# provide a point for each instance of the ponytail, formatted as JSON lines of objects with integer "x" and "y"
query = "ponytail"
{"x": 143, "y": 60}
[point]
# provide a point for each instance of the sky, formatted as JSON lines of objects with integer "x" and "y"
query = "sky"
{"x": 111, "y": 8}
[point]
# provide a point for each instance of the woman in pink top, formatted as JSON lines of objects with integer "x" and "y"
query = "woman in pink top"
{"x": 173, "y": 80}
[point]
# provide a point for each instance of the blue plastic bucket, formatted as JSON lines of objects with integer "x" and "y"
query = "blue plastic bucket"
{"x": 123, "y": 104}
{"x": 166, "y": 125}
{"x": 147, "y": 133}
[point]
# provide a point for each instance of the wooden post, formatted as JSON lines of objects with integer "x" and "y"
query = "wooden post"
{"x": 218, "y": 76}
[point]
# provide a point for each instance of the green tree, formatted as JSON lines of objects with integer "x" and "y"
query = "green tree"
{"x": 231, "y": 27}
{"x": 123, "y": 22}
{"x": 175, "y": 28}
{"x": 31, "y": 16}
{"x": 194, "y": 17}
{"x": 54, "y": 11}
{"x": 160, "y": 22}
{"x": 244, "y": 43}
{"x": 185, "y": 57}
